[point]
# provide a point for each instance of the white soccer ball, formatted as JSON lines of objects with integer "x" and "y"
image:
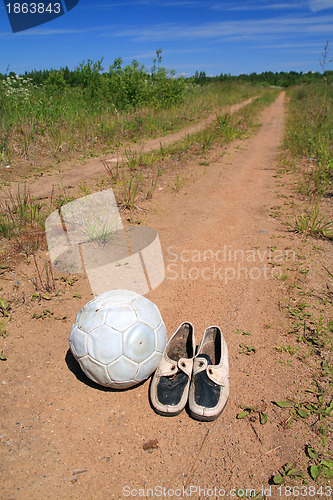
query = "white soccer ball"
{"x": 118, "y": 338}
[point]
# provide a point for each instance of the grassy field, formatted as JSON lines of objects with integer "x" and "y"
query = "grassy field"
{"x": 136, "y": 177}
{"x": 307, "y": 160}
{"x": 309, "y": 148}
{"x": 41, "y": 125}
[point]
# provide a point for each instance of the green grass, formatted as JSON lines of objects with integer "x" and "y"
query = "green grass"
{"x": 57, "y": 120}
{"x": 22, "y": 219}
{"x": 130, "y": 173}
{"x": 308, "y": 147}
{"x": 309, "y": 139}
{"x": 228, "y": 127}
{"x": 313, "y": 223}
{"x": 135, "y": 176}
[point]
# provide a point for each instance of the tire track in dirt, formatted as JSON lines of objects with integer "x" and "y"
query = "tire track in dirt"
{"x": 226, "y": 215}
{"x": 68, "y": 424}
{"x": 43, "y": 186}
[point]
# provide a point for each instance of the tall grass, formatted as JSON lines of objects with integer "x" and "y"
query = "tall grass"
{"x": 136, "y": 176}
{"x": 309, "y": 143}
{"x": 22, "y": 220}
{"x": 228, "y": 127}
{"x": 22, "y": 217}
{"x": 95, "y": 110}
{"x": 309, "y": 136}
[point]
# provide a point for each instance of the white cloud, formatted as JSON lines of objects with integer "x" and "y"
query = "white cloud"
{"x": 256, "y": 6}
{"x": 42, "y": 32}
{"x": 168, "y": 52}
{"x": 288, "y": 45}
{"x": 317, "y": 5}
{"x": 226, "y": 30}
{"x": 148, "y": 3}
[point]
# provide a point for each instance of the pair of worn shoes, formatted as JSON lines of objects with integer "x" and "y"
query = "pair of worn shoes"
{"x": 200, "y": 378}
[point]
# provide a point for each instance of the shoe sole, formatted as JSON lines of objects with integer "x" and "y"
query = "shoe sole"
{"x": 207, "y": 418}
{"x": 167, "y": 413}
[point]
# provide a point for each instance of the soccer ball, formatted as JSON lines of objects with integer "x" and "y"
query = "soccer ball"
{"x": 118, "y": 338}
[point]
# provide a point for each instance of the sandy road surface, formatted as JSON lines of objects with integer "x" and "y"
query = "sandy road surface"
{"x": 63, "y": 437}
{"x": 73, "y": 174}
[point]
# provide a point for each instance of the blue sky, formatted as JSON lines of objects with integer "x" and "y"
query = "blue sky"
{"x": 226, "y": 36}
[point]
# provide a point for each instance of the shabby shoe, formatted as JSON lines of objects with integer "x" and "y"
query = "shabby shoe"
{"x": 171, "y": 381}
{"x": 209, "y": 390}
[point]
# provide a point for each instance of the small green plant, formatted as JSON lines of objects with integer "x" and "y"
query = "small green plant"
{"x": 318, "y": 408}
{"x": 70, "y": 280}
{"x": 180, "y": 182}
{"x": 243, "y": 332}
{"x": 132, "y": 160}
{"x": 253, "y": 413}
{"x": 20, "y": 210}
{"x": 206, "y": 141}
{"x": 113, "y": 172}
{"x": 45, "y": 313}
{"x": 6, "y": 226}
{"x": 22, "y": 221}
{"x": 4, "y": 308}
{"x": 288, "y": 362}
{"x": 291, "y": 350}
{"x": 247, "y": 349}
{"x": 153, "y": 184}
{"x": 313, "y": 223}
{"x": 130, "y": 185}
{"x": 299, "y": 311}
{"x": 320, "y": 466}
{"x": 84, "y": 188}
{"x": 3, "y": 329}
{"x": 290, "y": 471}
{"x": 100, "y": 231}
{"x": 62, "y": 199}
{"x": 44, "y": 280}
{"x": 318, "y": 332}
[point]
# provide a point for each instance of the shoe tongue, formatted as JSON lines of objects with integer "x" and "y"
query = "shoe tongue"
{"x": 205, "y": 356}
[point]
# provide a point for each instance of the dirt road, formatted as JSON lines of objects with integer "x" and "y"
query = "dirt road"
{"x": 64, "y": 438}
{"x": 72, "y": 173}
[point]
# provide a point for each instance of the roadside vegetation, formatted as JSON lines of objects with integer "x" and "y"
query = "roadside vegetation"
{"x": 133, "y": 178}
{"x": 52, "y": 116}
{"x": 47, "y": 117}
{"x": 309, "y": 148}
{"x": 136, "y": 176}
{"x": 307, "y": 159}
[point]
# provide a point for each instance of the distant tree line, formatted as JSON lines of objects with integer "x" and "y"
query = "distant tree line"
{"x": 267, "y": 78}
